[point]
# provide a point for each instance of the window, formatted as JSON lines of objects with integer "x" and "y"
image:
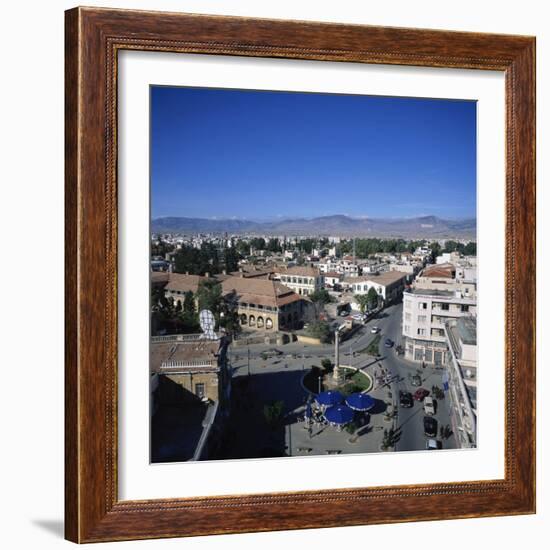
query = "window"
{"x": 464, "y": 308}
{"x": 422, "y": 305}
{"x": 445, "y": 307}
{"x": 268, "y": 324}
{"x": 407, "y": 329}
{"x": 200, "y": 390}
{"x": 421, "y": 332}
{"x": 407, "y": 316}
{"x": 421, "y": 318}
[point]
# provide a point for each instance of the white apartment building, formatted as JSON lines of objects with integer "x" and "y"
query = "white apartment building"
{"x": 303, "y": 280}
{"x": 425, "y": 312}
{"x": 461, "y": 335}
{"x": 388, "y": 285}
{"x": 345, "y": 266}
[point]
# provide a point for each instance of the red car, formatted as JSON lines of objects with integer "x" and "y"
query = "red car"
{"x": 420, "y": 394}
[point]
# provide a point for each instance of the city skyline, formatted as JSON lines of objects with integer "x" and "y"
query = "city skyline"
{"x": 295, "y": 153}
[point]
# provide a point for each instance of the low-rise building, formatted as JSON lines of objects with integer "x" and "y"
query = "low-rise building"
{"x": 389, "y": 285}
{"x": 178, "y": 284}
{"x": 304, "y": 280}
{"x": 189, "y": 374}
{"x": 345, "y": 266}
{"x": 332, "y": 279}
{"x": 264, "y": 304}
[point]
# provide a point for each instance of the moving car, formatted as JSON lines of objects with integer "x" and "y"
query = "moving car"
{"x": 429, "y": 405}
{"x": 430, "y": 426}
{"x": 388, "y": 343}
{"x": 420, "y": 394}
{"x": 406, "y": 399}
{"x": 433, "y": 444}
{"x": 416, "y": 381}
{"x": 374, "y": 330}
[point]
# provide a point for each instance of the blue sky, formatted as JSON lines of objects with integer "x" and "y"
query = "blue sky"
{"x": 262, "y": 155}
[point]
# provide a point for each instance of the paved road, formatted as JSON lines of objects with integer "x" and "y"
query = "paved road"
{"x": 410, "y": 420}
{"x": 299, "y": 357}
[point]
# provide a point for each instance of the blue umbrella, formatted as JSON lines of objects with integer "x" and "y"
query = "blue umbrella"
{"x": 360, "y": 401}
{"x": 339, "y": 414}
{"x": 329, "y": 398}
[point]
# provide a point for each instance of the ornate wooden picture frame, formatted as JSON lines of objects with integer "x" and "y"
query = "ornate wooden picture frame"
{"x": 94, "y": 37}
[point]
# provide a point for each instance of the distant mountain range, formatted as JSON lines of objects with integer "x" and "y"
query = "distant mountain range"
{"x": 337, "y": 225}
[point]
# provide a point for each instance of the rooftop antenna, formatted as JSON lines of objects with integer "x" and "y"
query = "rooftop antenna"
{"x": 207, "y": 322}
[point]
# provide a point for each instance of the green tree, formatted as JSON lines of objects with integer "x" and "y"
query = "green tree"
{"x": 372, "y": 298}
{"x": 435, "y": 251}
{"x": 243, "y": 248}
{"x": 258, "y": 243}
{"x": 189, "y": 302}
{"x": 470, "y": 249}
{"x": 231, "y": 259}
{"x": 363, "y": 301}
{"x": 209, "y": 296}
{"x": 274, "y": 246}
{"x": 326, "y": 363}
{"x": 273, "y": 413}
{"x": 319, "y": 329}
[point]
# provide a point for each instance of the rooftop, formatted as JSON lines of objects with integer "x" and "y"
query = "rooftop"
{"x": 300, "y": 270}
{"x": 183, "y": 282}
{"x": 441, "y": 271}
{"x": 196, "y": 354}
{"x": 385, "y": 278}
{"x": 264, "y": 292}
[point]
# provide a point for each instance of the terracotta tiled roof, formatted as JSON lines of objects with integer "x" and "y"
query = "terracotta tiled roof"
{"x": 184, "y": 283}
{"x": 263, "y": 292}
{"x": 159, "y": 277}
{"x": 333, "y": 274}
{"x": 446, "y": 271}
{"x": 301, "y": 271}
{"x": 252, "y": 273}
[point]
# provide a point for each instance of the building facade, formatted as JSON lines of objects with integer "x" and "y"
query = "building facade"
{"x": 462, "y": 367}
{"x": 265, "y": 305}
{"x": 303, "y": 280}
{"x": 388, "y": 285}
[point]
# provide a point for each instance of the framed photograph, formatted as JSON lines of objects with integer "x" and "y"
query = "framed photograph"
{"x": 300, "y": 275}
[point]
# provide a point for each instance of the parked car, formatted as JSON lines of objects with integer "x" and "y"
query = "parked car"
{"x": 429, "y": 405}
{"x": 374, "y": 330}
{"x": 406, "y": 399}
{"x": 344, "y": 313}
{"x": 416, "y": 381}
{"x": 420, "y": 394}
{"x": 430, "y": 426}
{"x": 273, "y": 352}
{"x": 388, "y": 343}
{"x": 433, "y": 444}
